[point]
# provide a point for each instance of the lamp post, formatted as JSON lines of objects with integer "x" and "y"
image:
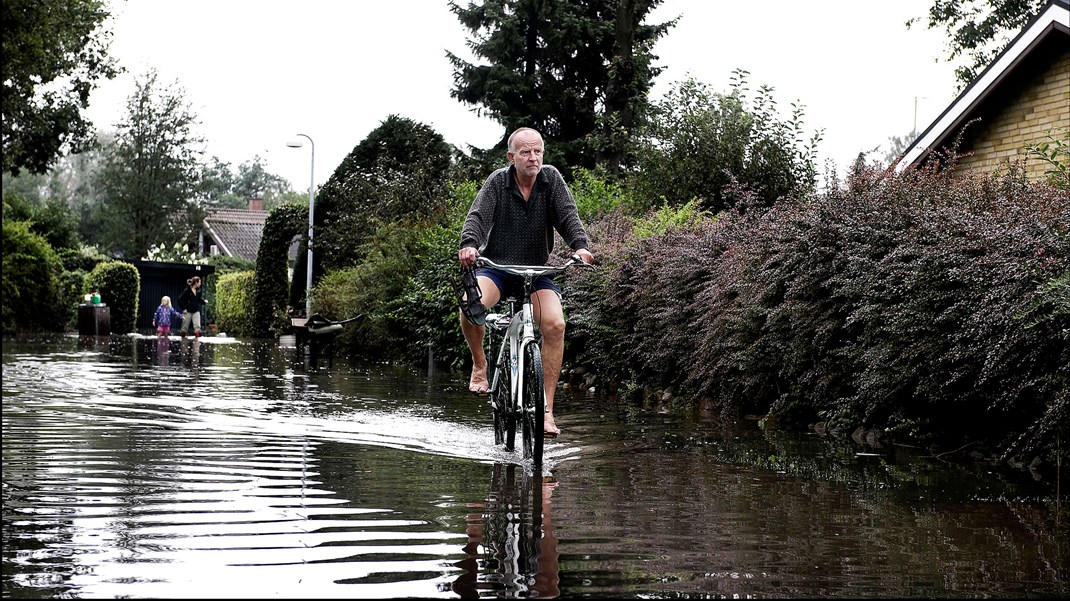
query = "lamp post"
{"x": 311, "y": 208}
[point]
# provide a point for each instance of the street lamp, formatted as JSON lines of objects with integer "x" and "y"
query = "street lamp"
{"x": 311, "y": 207}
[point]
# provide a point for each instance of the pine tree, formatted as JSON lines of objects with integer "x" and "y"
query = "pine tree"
{"x": 576, "y": 70}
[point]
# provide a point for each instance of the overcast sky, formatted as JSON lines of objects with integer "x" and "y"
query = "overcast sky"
{"x": 257, "y": 72}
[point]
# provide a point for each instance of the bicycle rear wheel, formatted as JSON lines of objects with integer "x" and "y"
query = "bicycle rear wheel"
{"x": 534, "y": 404}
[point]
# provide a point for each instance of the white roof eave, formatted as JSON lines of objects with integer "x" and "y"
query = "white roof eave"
{"x": 1055, "y": 13}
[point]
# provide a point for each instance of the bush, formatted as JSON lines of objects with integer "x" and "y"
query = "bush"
{"x": 395, "y": 174}
{"x": 594, "y": 196}
{"x": 366, "y": 291}
{"x": 33, "y": 296}
{"x": 71, "y": 284}
{"x": 234, "y": 303}
{"x": 83, "y": 259}
{"x": 928, "y": 305}
{"x": 223, "y": 265}
{"x": 697, "y": 143}
{"x": 119, "y": 284}
{"x": 272, "y": 283}
{"x": 425, "y": 314}
{"x": 401, "y": 292}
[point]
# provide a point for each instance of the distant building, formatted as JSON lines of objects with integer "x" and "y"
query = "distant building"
{"x": 237, "y": 233}
{"x": 234, "y": 232}
{"x": 1020, "y": 99}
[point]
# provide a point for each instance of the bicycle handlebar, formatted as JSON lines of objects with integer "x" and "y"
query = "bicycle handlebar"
{"x": 533, "y": 270}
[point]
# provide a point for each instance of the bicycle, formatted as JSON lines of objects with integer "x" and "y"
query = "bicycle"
{"x": 516, "y": 389}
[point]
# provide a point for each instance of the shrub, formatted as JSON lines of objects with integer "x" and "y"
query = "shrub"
{"x": 929, "y": 305}
{"x": 83, "y": 259}
{"x": 698, "y": 142}
{"x": 33, "y": 297}
{"x": 395, "y": 174}
{"x": 223, "y": 265}
{"x": 425, "y": 313}
{"x": 235, "y": 302}
{"x": 594, "y": 196}
{"x": 71, "y": 284}
{"x": 272, "y": 282}
{"x": 366, "y": 290}
{"x": 119, "y": 284}
{"x": 401, "y": 292}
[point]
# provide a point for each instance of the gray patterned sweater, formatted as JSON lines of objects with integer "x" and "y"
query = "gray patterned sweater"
{"x": 508, "y": 230}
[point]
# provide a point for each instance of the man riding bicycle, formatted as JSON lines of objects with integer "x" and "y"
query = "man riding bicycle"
{"x": 512, "y": 221}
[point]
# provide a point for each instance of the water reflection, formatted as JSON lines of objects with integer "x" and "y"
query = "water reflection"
{"x": 512, "y": 546}
{"x": 135, "y": 467}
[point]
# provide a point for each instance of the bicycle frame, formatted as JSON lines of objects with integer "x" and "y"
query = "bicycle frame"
{"x": 519, "y": 333}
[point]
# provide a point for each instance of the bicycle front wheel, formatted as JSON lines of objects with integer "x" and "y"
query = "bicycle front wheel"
{"x": 504, "y": 418}
{"x": 534, "y": 404}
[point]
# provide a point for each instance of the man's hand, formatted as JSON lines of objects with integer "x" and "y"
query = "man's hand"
{"x": 586, "y": 255}
{"x": 467, "y": 256}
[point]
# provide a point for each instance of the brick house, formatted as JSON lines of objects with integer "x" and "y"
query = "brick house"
{"x": 1021, "y": 98}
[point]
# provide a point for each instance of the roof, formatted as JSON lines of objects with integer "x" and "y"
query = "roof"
{"x": 237, "y": 232}
{"x": 1050, "y": 26}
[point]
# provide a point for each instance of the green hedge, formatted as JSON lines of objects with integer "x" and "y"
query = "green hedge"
{"x": 272, "y": 285}
{"x": 223, "y": 265}
{"x": 33, "y": 297}
{"x": 927, "y": 306}
{"x": 234, "y": 303}
{"x": 119, "y": 284}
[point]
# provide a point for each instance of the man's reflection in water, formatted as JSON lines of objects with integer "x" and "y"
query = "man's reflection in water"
{"x": 547, "y": 578}
{"x": 512, "y": 548}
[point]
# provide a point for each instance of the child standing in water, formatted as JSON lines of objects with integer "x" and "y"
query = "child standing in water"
{"x": 162, "y": 318}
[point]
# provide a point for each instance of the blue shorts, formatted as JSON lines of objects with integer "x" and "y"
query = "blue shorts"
{"x": 513, "y": 285}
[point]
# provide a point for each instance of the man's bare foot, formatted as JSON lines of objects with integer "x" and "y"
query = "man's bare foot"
{"x": 478, "y": 383}
{"x": 549, "y": 428}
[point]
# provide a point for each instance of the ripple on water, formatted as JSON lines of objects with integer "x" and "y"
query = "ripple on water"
{"x": 140, "y": 469}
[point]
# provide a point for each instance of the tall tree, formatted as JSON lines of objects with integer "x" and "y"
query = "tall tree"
{"x": 395, "y": 175}
{"x": 222, "y": 187}
{"x": 253, "y": 181}
{"x": 629, "y": 80}
{"x": 560, "y": 66}
{"x": 216, "y": 183}
{"x": 978, "y": 29}
{"x": 150, "y": 174}
{"x": 55, "y": 53}
{"x": 699, "y": 144}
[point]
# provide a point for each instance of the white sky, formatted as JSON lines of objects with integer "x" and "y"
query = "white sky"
{"x": 257, "y": 72}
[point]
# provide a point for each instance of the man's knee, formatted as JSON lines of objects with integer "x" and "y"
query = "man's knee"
{"x": 553, "y": 329}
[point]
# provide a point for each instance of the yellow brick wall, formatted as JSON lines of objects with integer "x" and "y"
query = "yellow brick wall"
{"x": 1042, "y": 109}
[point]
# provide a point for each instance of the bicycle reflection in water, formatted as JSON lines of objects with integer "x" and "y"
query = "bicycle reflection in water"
{"x": 512, "y": 548}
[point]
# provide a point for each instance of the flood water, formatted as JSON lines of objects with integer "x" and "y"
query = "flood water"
{"x": 138, "y": 468}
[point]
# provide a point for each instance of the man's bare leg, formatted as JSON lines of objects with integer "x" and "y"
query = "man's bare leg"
{"x": 478, "y": 383}
{"x": 473, "y": 334}
{"x": 551, "y": 319}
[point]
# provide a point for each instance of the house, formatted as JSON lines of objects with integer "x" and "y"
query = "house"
{"x": 1021, "y": 98}
{"x": 234, "y": 232}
